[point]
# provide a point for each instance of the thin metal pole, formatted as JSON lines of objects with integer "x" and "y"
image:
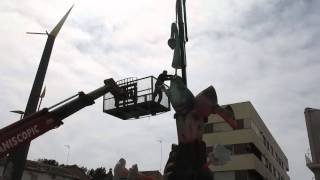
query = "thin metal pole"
{"x": 161, "y": 157}
{"x": 160, "y": 141}
{"x": 19, "y": 156}
{"x": 67, "y": 146}
{"x": 180, "y": 6}
{"x": 180, "y": 119}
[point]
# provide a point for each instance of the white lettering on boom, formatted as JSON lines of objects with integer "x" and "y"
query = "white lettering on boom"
{"x": 19, "y": 138}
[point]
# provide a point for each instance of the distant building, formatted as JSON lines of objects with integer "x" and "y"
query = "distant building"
{"x": 312, "y": 117}
{"x": 38, "y": 171}
{"x": 255, "y": 153}
{"x": 75, "y": 170}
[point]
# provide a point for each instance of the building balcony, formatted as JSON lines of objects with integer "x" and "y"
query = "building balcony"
{"x": 313, "y": 166}
{"x": 230, "y": 137}
{"x": 245, "y": 162}
{"x": 248, "y": 160}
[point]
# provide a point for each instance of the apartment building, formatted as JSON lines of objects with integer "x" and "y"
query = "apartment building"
{"x": 255, "y": 154}
{"x": 312, "y": 117}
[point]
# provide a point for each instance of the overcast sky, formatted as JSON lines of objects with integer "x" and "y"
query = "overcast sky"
{"x": 263, "y": 51}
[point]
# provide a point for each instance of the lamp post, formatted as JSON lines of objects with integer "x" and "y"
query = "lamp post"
{"x": 183, "y": 35}
{"x": 160, "y": 141}
{"x": 18, "y": 157}
{"x": 179, "y": 59}
{"x": 68, "y": 153}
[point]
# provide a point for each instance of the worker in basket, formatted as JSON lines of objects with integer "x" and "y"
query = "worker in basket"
{"x": 159, "y": 84}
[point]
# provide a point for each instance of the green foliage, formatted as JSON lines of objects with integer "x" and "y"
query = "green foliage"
{"x": 51, "y": 162}
{"x": 98, "y": 173}
{"x": 84, "y": 169}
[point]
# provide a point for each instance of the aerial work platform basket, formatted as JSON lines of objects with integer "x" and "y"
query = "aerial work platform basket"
{"x": 138, "y": 101}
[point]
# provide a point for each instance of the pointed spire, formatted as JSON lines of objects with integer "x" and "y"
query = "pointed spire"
{"x": 56, "y": 29}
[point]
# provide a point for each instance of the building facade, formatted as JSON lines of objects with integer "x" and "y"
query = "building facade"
{"x": 38, "y": 171}
{"x": 312, "y": 117}
{"x": 255, "y": 154}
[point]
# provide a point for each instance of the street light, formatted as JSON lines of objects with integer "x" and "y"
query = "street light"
{"x": 160, "y": 141}
{"x": 68, "y": 147}
{"x": 19, "y": 156}
{"x": 18, "y": 112}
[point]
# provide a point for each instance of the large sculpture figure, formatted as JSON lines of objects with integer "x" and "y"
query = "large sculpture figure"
{"x": 121, "y": 172}
{"x": 188, "y": 160}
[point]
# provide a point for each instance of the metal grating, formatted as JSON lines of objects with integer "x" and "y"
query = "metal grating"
{"x": 138, "y": 102}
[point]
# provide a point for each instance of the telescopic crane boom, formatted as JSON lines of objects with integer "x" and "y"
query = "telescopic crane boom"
{"x": 36, "y": 124}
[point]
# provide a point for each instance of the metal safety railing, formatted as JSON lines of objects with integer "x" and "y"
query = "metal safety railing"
{"x": 140, "y": 99}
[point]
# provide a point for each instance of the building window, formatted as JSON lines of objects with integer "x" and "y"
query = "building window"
{"x": 278, "y": 176}
{"x": 240, "y": 149}
{"x": 267, "y": 162}
{"x": 270, "y": 167}
{"x": 240, "y": 124}
{"x": 245, "y": 148}
{"x": 241, "y": 175}
{"x": 255, "y": 129}
{"x": 33, "y": 176}
{"x": 254, "y": 175}
{"x": 208, "y": 128}
{"x": 230, "y": 148}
